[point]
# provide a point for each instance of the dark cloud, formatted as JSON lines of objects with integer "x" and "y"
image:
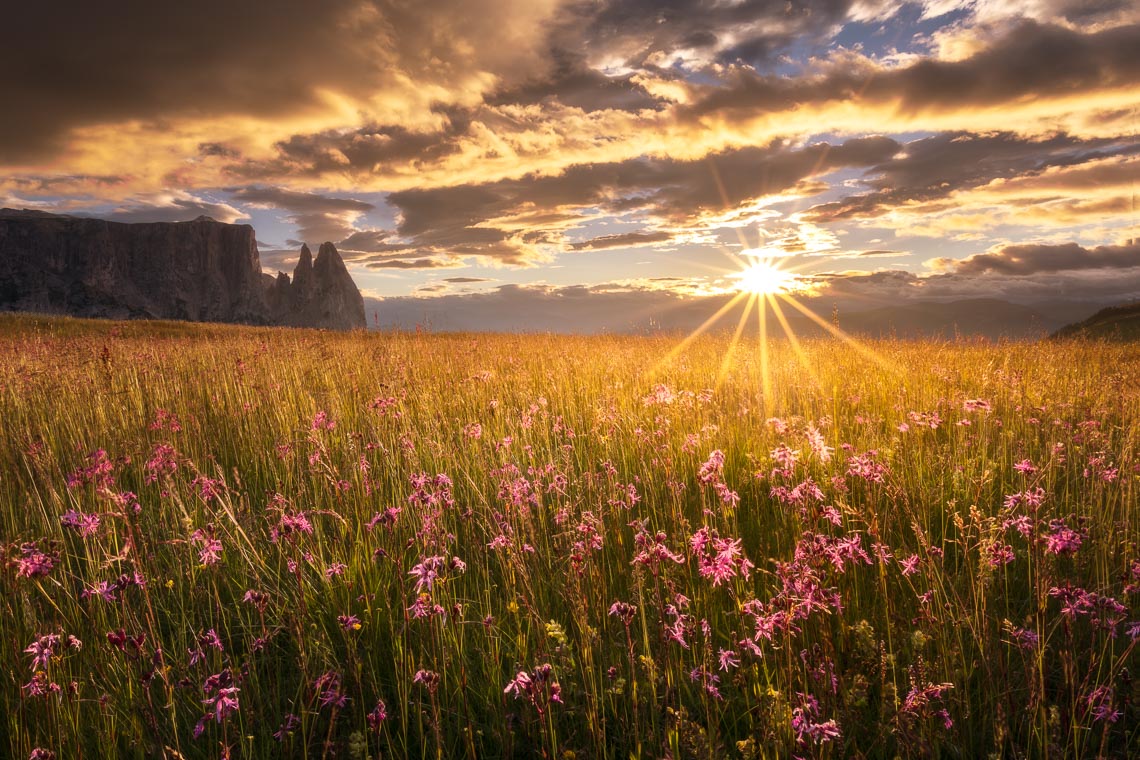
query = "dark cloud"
{"x": 368, "y": 241}
{"x": 465, "y": 280}
{"x": 212, "y": 149}
{"x": 1076, "y": 12}
{"x": 90, "y": 63}
{"x": 878, "y": 289}
{"x": 637, "y": 32}
{"x": 453, "y": 220}
{"x": 367, "y": 149}
{"x": 572, "y": 82}
{"x": 1038, "y": 258}
{"x": 61, "y": 69}
{"x": 621, "y": 240}
{"x": 1031, "y": 60}
{"x": 934, "y": 167}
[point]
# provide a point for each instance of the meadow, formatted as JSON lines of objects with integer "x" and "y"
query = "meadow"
{"x": 240, "y": 542}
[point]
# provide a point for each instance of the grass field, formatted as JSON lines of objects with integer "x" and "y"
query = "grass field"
{"x": 278, "y": 543}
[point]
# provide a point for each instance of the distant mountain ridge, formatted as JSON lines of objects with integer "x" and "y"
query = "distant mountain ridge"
{"x": 504, "y": 310}
{"x": 202, "y": 271}
{"x": 1117, "y": 322}
{"x": 988, "y": 317}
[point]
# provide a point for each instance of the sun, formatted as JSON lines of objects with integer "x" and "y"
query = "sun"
{"x": 765, "y": 278}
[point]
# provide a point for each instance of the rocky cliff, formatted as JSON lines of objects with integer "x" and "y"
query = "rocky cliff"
{"x": 202, "y": 271}
{"x": 321, "y": 293}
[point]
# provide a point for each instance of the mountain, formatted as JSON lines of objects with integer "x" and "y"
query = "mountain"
{"x": 1115, "y": 322}
{"x": 321, "y": 292}
{"x": 203, "y": 271}
{"x": 988, "y": 317}
{"x": 578, "y": 310}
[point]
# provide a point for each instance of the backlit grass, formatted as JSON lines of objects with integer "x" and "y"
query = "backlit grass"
{"x": 289, "y": 543}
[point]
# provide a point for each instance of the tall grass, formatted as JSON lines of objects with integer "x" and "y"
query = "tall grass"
{"x": 288, "y": 543}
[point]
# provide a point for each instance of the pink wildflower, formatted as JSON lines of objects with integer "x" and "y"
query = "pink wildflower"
{"x": 1062, "y": 539}
{"x": 623, "y": 611}
{"x": 711, "y": 470}
{"x": 430, "y": 679}
{"x": 85, "y": 524}
{"x": 322, "y": 421}
{"x": 1025, "y": 467}
{"x": 33, "y": 563}
{"x": 99, "y": 472}
{"x": 45, "y": 648}
{"x": 819, "y": 448}
{"x": 163, "y": 461}
{"x": 164, "y": 420}
{"x": 807, "y": 726}
{"x": 728, "y": 659}
{"x": 208, "y": 488}
{"x": 378, "y": 715}
{"x": 1100, "y": 704}
{"x": 328, "y": 690}
{"x": 210, "y": 552}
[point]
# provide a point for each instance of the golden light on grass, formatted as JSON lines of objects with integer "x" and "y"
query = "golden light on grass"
{"x": 285, "y": 461}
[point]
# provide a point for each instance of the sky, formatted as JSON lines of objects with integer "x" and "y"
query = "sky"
{"x": 499, "y": 164}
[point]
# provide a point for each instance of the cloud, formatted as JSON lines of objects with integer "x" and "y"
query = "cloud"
{"x": 477, "y": 220}
{"x": 174, "y": 207}
{"x": 1028, "y": 66}
{"x": 861, "y": 290}
{"x": 956, "y": 184}
{"x": 1034, "y": 258}
{"x": 871, "y": 254}
{"x": 319, "y": 218}
{"x": 368, "y": 241}
{"x": 544, "y": 125}
{"x": 152, "y": 62}
{"x": 1074, "y": 13}
{"x": 692, "y": 33}
{"x": 298, "y": 202}
{"x": 507, "y": 133}
{"x": 372, "y": 147}
{"x": 572, "y": 82}
{"x": 382, "y": 95}
{"x": 621, "y": 240}
{"x": 413, "y": 264}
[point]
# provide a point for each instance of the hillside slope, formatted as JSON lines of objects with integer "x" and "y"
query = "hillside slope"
{"x": 1116, "y": 323}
